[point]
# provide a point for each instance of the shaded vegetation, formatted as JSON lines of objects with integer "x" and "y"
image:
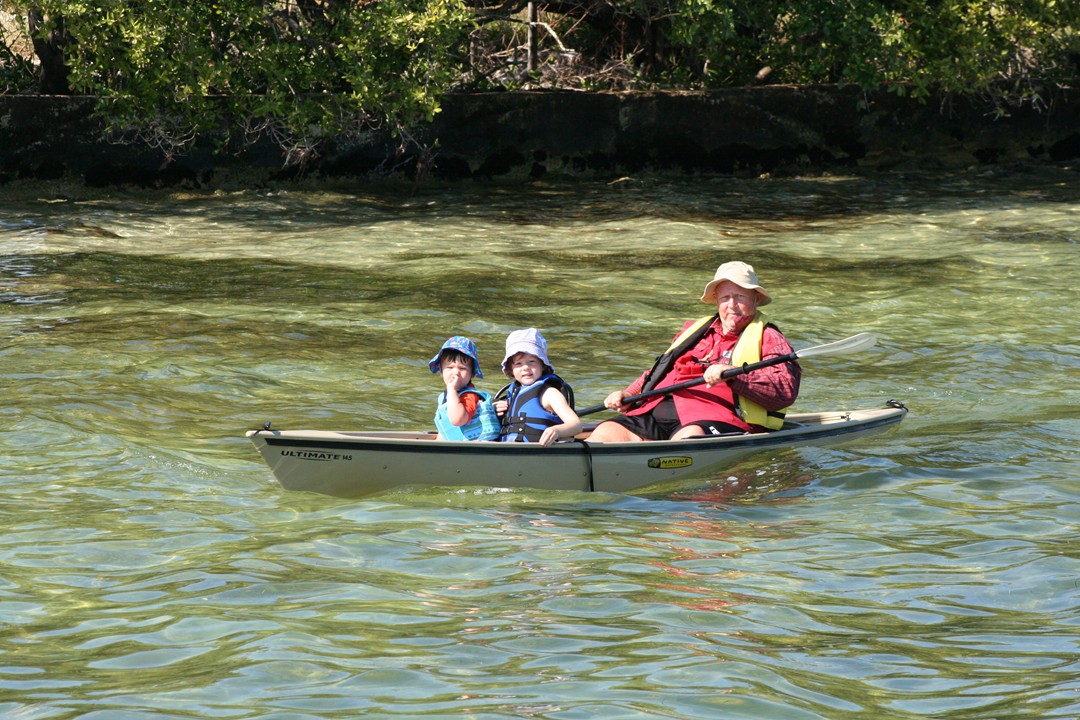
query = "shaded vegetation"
{"x": 305, "y": 71}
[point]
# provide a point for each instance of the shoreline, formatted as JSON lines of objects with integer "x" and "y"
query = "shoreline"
{"x": 515, "y": 137}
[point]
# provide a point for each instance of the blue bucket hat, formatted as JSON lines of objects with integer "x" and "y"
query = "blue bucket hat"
{"x": 463, "y": 345}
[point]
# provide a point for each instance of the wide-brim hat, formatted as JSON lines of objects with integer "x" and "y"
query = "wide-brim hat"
{"x": 529, "y": 341}
{"x": 463, "y": 345}
{"x": 739, "y": 273}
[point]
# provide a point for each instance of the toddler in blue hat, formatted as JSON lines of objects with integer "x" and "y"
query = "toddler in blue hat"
{"x": 463, "y": 412}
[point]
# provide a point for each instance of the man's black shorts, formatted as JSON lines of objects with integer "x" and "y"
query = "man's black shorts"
{"x": 663, "y": 422}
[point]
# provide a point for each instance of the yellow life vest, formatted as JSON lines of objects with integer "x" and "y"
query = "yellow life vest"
{"x": 748, "y": 350}
{"x": 697, "y": 328}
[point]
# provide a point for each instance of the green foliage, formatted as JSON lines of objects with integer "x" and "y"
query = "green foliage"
{"x": 911, "y": 46}
{"x": 916, "y": 47}
{"x": 1001, "y": 48}
{"x": 305, "y": 70}
{"x": 299, "y": 71}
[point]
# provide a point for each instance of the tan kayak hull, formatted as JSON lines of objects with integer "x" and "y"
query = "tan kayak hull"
{"x": 352, "y": 464}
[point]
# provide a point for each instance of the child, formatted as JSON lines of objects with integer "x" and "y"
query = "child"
{"x": 463, "y": 412}
{"x": 539, "y": 405}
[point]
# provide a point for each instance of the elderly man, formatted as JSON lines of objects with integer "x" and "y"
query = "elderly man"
{"x": 738, "y": 333}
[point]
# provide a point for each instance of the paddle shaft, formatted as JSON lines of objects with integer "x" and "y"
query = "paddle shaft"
{"x": 847, "y": 345}
{"x": 729, "y": 373}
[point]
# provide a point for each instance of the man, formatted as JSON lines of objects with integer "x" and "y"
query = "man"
{"x": 738, "y": 334}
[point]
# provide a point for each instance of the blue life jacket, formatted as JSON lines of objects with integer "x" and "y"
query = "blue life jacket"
{"x": 526, "y": 419}
{"x": 484, "y": 424}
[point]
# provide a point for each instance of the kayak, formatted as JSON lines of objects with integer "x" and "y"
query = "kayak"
{"x": 354, "y": 464}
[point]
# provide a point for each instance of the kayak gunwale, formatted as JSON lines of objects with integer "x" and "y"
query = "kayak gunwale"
{"x": 373, "y": 440}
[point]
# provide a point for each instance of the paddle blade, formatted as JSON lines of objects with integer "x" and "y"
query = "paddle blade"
{"x": 855, "y": 343}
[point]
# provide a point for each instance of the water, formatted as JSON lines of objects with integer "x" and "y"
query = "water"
{"x": 151, "y": 568}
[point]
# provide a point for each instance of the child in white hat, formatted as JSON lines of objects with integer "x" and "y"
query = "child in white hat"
{"x": 539, "y": 405}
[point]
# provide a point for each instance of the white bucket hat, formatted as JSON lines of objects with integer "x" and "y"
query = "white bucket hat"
{"x": 529, "y": 341}
{"x": 739, "y": 273}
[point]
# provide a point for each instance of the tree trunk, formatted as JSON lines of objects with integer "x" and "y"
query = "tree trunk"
{"x": 49, "y": 47}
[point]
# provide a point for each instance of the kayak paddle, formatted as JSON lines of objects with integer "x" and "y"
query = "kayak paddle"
{"x": 855, "y": 343}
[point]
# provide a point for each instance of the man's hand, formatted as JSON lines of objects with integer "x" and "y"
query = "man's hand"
{"x": 714, "y": 374}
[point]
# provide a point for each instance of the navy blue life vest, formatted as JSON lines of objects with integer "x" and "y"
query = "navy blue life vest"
{"x": 526, "y": 419}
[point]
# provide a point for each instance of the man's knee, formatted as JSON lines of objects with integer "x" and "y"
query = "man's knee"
{"x": 688, "y": 432}
{"x": 612, "y": 432}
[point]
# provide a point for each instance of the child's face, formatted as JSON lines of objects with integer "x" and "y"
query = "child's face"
{"x": 456, "y": 373}
{"x": 526, "y": 368}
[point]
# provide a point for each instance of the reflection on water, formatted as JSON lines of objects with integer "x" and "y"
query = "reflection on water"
{"x": 929, "y": 571}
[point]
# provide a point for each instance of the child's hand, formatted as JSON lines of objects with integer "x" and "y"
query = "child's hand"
{"x": 452, "y": 378}
{"x": 549, "y": 437}
{"x": 500, "y": 407}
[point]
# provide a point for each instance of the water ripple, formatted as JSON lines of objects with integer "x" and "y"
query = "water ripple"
{"x": 152, "y": 568}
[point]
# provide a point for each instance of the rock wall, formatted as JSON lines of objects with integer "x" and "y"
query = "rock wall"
{"x": 520, "y": 135}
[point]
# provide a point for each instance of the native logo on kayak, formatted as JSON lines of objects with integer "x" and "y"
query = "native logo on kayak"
{"x": 667, "y": 463}
{"x": 312, "y": 455}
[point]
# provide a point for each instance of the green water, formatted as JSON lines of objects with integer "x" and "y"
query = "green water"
{"x": 151, "y": 568}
